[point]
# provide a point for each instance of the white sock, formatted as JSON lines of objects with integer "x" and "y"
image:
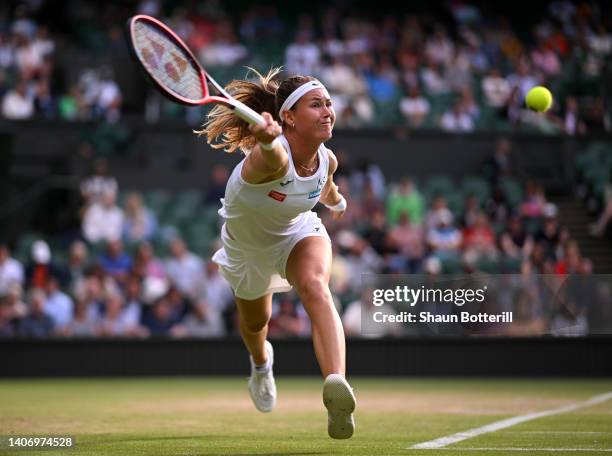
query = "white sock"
{"x": 263, "y": 368}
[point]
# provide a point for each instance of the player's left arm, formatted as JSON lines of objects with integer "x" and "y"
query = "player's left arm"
{"x": 330, "y": 196}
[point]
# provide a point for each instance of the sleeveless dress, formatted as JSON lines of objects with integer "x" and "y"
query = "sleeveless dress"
{"x": 262, "y": 224}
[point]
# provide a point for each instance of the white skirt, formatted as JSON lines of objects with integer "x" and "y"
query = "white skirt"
{"x": 253, "y": 273}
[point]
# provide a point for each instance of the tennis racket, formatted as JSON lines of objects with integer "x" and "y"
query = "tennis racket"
{"x": 173, "y": 68}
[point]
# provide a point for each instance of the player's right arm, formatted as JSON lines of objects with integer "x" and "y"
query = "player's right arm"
{"x": 261, "y": 164}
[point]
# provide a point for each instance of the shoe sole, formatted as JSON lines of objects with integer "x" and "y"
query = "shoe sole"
{"x": 340, "y": 403}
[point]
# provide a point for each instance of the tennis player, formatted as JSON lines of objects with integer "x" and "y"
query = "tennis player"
{"x": 272, "y": 240}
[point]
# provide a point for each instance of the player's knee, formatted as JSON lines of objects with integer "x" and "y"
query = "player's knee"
{"x": 314, "y": 289}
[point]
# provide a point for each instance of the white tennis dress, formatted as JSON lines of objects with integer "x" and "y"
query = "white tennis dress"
{"x": 263, "y": 222}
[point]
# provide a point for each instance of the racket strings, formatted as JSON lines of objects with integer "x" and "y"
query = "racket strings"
{"x": 167, "y": 62}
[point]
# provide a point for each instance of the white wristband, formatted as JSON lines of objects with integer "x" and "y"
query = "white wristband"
{"x": 340, "y": 207}
{"x": 269, "y": 146}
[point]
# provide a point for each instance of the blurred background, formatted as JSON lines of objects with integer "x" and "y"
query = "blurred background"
{"x": 108, "y": 202}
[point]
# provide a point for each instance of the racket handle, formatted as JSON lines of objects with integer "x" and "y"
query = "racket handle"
{"x": 246, "y": 113}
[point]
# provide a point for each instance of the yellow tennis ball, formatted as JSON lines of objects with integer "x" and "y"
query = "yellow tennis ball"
{"x": 539, "y": 99}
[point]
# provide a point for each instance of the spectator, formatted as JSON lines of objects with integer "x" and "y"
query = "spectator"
{"x": 225, "y": 50}
{"x": 11, "y": 270}
{"x": 548, "y": 236}
{"x": 533, "y": 204}
{"x": 216, "y": 188}
{"x": 84, "y": 323}
{"x": 496, "y": 90}
{"x": 146, "y": 264}
{"x": 515, "y": 242}
{"x": 471, "y": 210}
{"x": 44, "y": 102}
{"x": 289, "y": 320}
{"x": 58, "y": 305}
{"x": 13, "y": 301}
{"x": 41, "y": 267}
{"x": 202, "y": 322}
{"x": 500, "y": 163}
{"x": 139, "y": 222}
{"x": 216, "y": 292}
{"x": 437, "y": 210}
{"x": 571, "y": 262}
{"x": 99, "y": 183}
{"x": 159, "y": 321}
{"x": 133, "y": 299}
{"x": 184, "y": 268}
{"x": 77, "y": 263}
{"x": 457, "y": 119}
{"x": 434, "y": 81}
{"x": 415, "y": 108}
{"x": 572, "y": 120}
{"x": 37, "y": 324}
{"x": 118, "y": 321}
{"x": 444, "y": 239}
{"x": 360, "y": 258}
{"x": 115, "y": 262}
{"x": 303, "y": 55}
{"x": 103, "y": 221}
{"x": 376, "y": 233}
{"x": 18, "y": 104}
{"x": 407, "y": 239}
{"x": 479, "y": 238}
{"x": 405, "y": 199}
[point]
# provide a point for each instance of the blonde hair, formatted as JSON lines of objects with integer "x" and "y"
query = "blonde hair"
{"x": 224, "y": 130}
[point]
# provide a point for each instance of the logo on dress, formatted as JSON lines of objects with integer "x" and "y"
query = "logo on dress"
{"x": 278, "y": 196}
{"x": 317, "y": 192}
{"x": 282, "y": 184}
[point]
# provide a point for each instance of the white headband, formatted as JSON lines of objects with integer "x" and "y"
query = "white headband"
{"x": 299, "y": 93}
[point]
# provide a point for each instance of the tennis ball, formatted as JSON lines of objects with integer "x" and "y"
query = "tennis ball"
{"x": 539, "y": 99}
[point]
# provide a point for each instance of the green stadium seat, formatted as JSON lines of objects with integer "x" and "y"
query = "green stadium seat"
{"x": 438, "y": 185}
{"x": 477, "y": 186}
{"x": 157, "y": 200}
{"x": 512, "y": 191}
{"x": 183, "y": 205}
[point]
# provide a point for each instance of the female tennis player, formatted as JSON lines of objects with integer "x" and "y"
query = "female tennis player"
{"x": 272, "y": 240}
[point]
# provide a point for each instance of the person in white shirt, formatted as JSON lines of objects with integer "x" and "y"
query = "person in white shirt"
{"x": 272, "y": 240}
{"x": 17, "y": 103}
{"x": 103, "y": 221}
{"x": 11, "y": 270}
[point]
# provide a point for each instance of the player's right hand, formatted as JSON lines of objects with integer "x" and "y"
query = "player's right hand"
{"x": 266, "y": 134}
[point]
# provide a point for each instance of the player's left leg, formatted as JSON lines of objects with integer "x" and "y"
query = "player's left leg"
{"x": 308, "y": 270}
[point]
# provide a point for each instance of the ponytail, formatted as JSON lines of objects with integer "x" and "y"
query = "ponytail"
{"x": 225, "y": 130}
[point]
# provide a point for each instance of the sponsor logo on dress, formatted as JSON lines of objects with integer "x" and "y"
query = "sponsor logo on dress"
{"x": 317, "y": 192}
{"x": 278, "y": 196}
{"x": 282, "y": 184}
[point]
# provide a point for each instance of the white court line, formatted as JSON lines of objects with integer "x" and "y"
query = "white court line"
{"x": 459, "y": 436}
{"x": 527, "y": 449}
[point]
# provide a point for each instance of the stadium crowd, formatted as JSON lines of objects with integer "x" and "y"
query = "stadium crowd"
{"x": 111, "y": 282}
{"x": 468, "y": 72}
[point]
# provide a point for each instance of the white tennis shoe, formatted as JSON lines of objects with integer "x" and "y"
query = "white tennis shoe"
{"x": 262, "y": 386}
{"x": 340, "y": 402}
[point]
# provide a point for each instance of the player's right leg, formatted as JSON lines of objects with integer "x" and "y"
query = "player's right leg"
{"x": 253, "y": 317}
